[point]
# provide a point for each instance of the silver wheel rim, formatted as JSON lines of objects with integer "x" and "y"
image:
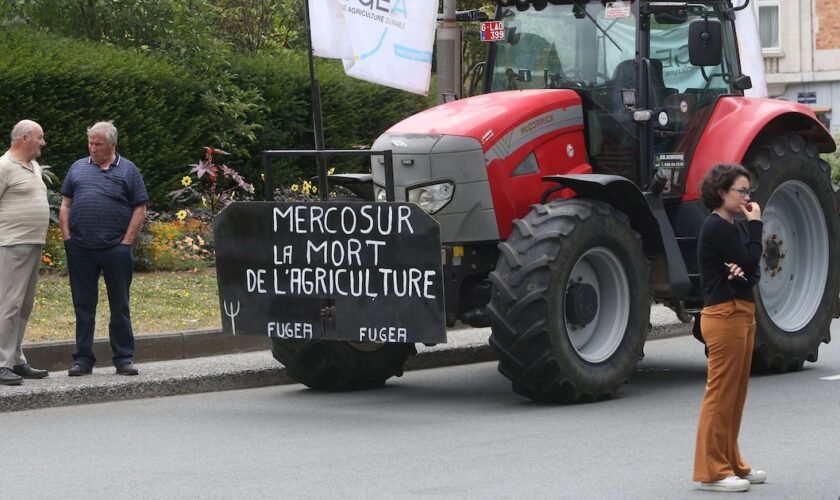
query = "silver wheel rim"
{"x": 794, "y": 261}
{"x": 600, "y": 338}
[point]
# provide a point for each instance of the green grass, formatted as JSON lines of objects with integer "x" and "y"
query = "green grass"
{"x": 160, "y": 302}
{"x": 833, "y": 159}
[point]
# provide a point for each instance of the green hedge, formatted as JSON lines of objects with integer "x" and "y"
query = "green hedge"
{"x": 159, "y": 109}
{"x": 67, "y": 85}
{"x": 833, "y": 159}
{"x": 355, "y": 112}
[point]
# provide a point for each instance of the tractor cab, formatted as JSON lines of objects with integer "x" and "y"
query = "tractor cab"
{"x": 645, "y": 104}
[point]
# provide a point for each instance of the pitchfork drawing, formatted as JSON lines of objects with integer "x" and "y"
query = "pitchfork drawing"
{"x": 231, "y": 313}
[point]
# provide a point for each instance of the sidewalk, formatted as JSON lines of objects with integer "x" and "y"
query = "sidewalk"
{"x": 242, "y": 370}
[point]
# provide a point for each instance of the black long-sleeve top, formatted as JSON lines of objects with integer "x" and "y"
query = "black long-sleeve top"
{"x": 722, "y": 242}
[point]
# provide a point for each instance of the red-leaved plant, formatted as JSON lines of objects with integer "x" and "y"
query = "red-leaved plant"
{"x": 215, "y": 185}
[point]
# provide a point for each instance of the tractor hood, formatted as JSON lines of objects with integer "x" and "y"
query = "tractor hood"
{"x": 491, "y": 117}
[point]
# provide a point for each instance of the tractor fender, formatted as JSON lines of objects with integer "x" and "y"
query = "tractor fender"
{"x": 737, "y": 121}
{"x": 647, "y": 217}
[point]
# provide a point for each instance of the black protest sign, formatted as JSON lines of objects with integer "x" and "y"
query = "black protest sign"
{"x": 332, "y": 270}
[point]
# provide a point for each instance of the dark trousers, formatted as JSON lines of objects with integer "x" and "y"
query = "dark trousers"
{"x": 85, "y": 266}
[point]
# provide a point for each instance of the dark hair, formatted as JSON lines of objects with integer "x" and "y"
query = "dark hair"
{"x": 720, "y": 178}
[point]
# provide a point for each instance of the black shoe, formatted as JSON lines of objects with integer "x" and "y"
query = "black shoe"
{"x": 78, "y": 370}
{"x": 127, "y": 369}
{"x": 27, "y": 371}
{"x": 8, "y": 377}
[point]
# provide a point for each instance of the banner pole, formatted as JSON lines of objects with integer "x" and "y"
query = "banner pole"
{"x": 317, "y": 116}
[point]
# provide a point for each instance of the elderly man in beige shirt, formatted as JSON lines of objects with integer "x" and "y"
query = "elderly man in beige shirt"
{"x": 24, "y": 217}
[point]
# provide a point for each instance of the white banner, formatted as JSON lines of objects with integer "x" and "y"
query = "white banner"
{"x": 389, "y": 42}
{"x": 749, "y": 47}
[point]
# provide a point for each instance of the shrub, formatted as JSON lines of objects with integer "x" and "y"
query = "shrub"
{"x": 355, "y": 112}
{"x": 176, "y": 245}
{"x": 67, "y": 85}
{"x": 833, "y": 159}
{"x": 215, "y": 185}
{"x": 53, "y": 257}
{"x": 166, "y": 114}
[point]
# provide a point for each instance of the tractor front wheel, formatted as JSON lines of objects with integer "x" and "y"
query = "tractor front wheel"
{"x": 330, "y": 365}
{"x": 570, "y": 302}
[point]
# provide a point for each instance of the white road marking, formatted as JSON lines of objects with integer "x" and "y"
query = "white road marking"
{"x": 833, "y": 377}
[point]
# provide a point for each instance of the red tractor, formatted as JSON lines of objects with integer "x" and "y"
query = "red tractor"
{"x": 567, "y": 197}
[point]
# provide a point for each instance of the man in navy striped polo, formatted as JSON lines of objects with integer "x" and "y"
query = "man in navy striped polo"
{"x": 103, "y": 208}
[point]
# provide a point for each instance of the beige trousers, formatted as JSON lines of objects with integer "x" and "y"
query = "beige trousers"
{"x": 18, "y": 280}
{"x": 729, "y": 332}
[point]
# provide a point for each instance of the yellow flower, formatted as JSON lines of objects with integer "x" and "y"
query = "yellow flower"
{"x": 182, "y": 214}
{"x": 295, "y": 188}
{"x": 331, "y": 171}
{"x": 306, "y": 189}
{"x": 314, "y": 190}
{"x": 186, "y": 180}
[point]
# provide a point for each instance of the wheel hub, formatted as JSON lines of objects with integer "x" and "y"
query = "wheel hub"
{"x": 581, "y": 304}
{"x": 773, "y": 255}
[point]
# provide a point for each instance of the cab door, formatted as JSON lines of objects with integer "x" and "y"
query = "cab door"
{"x": 682, "y": 95}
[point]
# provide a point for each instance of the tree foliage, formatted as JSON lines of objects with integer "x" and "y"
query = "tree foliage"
{"x": 260, "y": 25}
{"x": 68, "y": 85}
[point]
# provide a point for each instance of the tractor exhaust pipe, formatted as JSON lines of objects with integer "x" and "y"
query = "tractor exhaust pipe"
{"x": 448, "y": 49}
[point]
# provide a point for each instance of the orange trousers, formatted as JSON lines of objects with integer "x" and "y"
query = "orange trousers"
{"x": 729, "y": 331}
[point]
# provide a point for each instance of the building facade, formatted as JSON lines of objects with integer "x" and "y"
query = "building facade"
{"x": 800, "y": 42}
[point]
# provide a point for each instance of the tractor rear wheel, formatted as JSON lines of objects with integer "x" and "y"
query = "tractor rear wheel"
{"x": 570, "y": 302}
{"x": 797, "y": 296}
{"x": 330, "y": 365}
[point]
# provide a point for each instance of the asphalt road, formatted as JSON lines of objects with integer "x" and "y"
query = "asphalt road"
{"x": 454, "y": 432}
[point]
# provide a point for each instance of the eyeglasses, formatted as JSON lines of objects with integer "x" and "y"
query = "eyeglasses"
{"x": 742, "y": 191}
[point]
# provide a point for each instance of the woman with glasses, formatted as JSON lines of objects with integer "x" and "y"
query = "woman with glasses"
{"x": 729, "y": 252}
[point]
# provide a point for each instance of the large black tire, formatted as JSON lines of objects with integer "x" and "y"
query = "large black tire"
{"x": 532, "y": 332}
{"x": 797, "y": 297}
{"x": 330, "y": 365}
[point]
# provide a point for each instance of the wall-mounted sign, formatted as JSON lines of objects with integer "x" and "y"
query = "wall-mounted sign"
{"x": 806, "y": 97}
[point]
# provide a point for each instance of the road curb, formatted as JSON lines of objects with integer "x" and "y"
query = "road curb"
{"x": 218, "y": 373}
{"x": 140, "y": 388}
{"x": 58, "y": 355}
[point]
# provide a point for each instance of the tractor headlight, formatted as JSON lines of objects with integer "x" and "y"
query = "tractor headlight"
{"x": 379, "y": 193}
{"x": 433, "y": 197}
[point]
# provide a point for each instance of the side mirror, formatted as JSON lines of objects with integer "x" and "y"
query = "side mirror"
{"x": 743, "y": 82}
{"x": 705, "y": 42}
